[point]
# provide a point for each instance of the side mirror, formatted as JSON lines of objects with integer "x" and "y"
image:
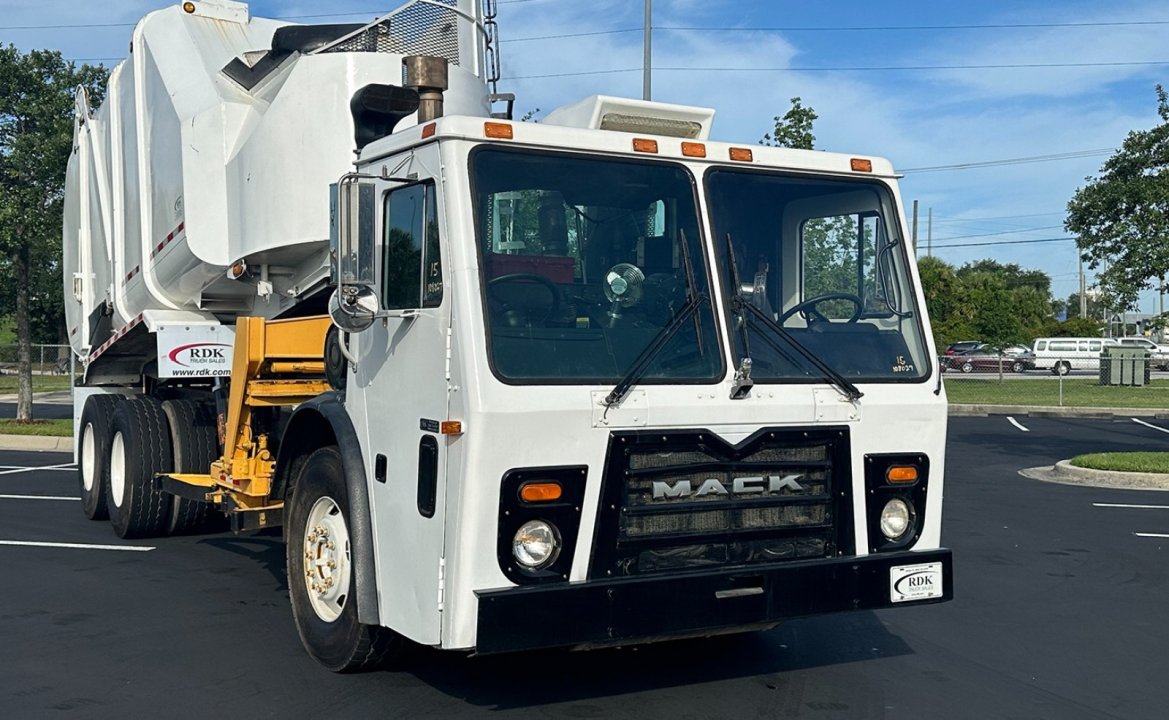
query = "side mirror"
{"x": 353, "y": 307}
{"x": 354, "y": 304}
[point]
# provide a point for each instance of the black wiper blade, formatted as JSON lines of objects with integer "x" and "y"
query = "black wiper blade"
{"x": 651, "y": 351}
{"x": 842, "y": 384}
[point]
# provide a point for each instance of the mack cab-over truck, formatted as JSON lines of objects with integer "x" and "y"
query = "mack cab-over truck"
{"x": 592, "y": 381}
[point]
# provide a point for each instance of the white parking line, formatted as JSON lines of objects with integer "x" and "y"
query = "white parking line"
{"x": 62, "y": 466}
{"x": 1016, "y": 423}
{"x": 77, "y": 546}
{"x": 37, "y": 497}
{"x": 1134, "y": 507}
{"x": 1152, "y": 535}
{"x": 1148, "y": 425}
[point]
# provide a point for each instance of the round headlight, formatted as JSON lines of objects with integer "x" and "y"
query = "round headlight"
{"x": 895, "y": 518}
{"x": 536, "y": 544}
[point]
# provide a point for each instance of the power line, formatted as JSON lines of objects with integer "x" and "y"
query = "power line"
{"x": 1005, "y": 242}
{"x": 852, "y": 68}
{"x": 1013, "y": 161}
{"x": 1001, "y": 232}
{"x": 793, "y": 28}
{"x": 882, "y": 28}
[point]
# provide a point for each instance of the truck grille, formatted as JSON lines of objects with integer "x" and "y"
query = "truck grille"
{"x": 687, "y": 500}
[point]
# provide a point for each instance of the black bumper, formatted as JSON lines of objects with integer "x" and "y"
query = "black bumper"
{"x": 653, "y": 608}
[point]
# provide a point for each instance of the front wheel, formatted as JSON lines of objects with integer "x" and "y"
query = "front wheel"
{"x": 967, "y": 367}
{"x": 321, "y": 583}
{"x": 1017, "y": 366}
{"x": 1061, "y": 368}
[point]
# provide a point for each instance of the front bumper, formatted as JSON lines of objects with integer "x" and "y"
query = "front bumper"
{"x": 630, "y": 610}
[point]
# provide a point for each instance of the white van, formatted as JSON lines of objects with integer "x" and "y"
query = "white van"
{"x": 1158, "y": 354}
{"x": 1063, "y": 354}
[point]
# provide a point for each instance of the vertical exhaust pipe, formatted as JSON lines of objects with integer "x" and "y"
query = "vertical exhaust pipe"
{"x": 428, "y": 76}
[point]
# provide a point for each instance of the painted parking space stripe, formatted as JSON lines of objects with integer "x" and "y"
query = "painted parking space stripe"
{"x": 62, "y": 466}
{"x": 38, "y": 497}
{"x": 1016, "y": 423}
{"x": 70, "y": 466}
{"x": 77, "y": 546}
{"x": 1138, "y": 421}
{"x": 1152, "y": 535}
{"x": 1133, "y": 507}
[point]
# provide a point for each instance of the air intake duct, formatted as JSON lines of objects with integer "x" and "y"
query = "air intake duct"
{"x": 377, "y": 109}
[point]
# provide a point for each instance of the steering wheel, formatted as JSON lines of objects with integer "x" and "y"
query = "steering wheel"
{"x": 815, "y": 315}
{"x": 513, "y": 315}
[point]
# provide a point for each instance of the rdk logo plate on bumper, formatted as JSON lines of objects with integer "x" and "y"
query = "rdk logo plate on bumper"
{"x": 915, "y": 582}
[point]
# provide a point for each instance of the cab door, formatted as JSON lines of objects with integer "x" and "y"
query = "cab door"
{"x": 400, "y": 385}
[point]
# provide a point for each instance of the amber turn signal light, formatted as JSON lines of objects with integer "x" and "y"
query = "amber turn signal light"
{"x": 540, "y": 492}
{"x": 901, "y": 474}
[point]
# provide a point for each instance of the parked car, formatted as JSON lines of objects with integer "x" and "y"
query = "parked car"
{"x": 988, "y": 359}
{"x": 963, "y": 346}
{"x": 1158, "y": 354}
{"x": 1061, "y": 355}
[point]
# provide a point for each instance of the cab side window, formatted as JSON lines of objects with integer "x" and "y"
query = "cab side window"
{"x": 412, "y": 262}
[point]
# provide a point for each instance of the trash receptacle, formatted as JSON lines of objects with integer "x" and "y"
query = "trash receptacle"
{"x": 1121, "y": 365}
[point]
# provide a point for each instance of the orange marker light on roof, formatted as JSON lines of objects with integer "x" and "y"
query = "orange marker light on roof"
{"x": 644, "y": 145}
{"x": 693, "y": 149}
{"x": 428, "y": 130}
{"x": 901, "y": 474}
{"x": 861, "y": 165}
{"x": 499, "y": 131}
{"x": 540, "y": 492}
{"x": 742, "y": 155}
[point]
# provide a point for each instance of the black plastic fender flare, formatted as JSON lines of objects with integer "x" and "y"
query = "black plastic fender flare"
{"x": 308, "y": 429}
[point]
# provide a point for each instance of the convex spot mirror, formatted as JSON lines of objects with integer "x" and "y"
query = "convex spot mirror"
{"x": 353, "y": 307}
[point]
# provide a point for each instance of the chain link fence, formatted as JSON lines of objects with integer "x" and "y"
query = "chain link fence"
{"x": 1124, "y": 380}
{"x": 48, "y": 361}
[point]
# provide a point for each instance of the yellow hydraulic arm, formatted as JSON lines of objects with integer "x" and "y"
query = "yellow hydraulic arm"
{"x": 276, "y": 363}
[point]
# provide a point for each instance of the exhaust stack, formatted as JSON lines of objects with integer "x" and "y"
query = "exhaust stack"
{"x": 428, "y": 76}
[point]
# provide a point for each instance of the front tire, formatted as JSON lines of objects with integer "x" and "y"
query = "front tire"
{"x": 967, "y": 367}
{"x": 93, "y": 459}
{"x": 1061, "y": 368}
{"x": 139, "y": 449}
{"x": 321, "y": 583}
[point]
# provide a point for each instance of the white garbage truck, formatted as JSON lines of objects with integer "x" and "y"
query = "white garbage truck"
{"x": 592, "y": 381}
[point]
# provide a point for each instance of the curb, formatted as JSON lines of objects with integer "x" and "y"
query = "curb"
{"x": 49, "y": 443}
{"x": 1065, "y": 473}
{"x": 1055, "y": 411}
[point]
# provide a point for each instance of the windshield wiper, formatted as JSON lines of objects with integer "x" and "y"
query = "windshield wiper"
{"x": 741, "y": 308}
{"x": 642, "y": 362}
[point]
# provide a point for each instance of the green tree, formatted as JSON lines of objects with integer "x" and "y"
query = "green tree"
{"x": 36, "y": 136}
{"x": 1121, "y": 218}
{"x": 794, "y": 129}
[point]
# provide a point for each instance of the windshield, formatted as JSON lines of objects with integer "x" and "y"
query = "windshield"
{"x": 584, "y": 267}
{"x": 818, "y": 258}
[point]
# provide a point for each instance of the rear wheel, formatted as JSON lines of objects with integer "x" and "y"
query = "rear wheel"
{"x": 1061, "y": 368}
{"x": 140, "y": 448}
{"x": 1017, "y": 366}
{"x": 93, "y": 458}
{"x": 967, "y": 367}
{"x": 195, "y": 445}
{"x": 321, "y": 583}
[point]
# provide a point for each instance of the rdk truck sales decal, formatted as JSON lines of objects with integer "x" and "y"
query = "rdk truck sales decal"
{"x": 915, "y": 582}
{"x": 194, "y": 351}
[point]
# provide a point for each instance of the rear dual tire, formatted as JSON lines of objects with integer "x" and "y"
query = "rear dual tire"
{"x": 140, "y": 449}
{"x": 92, "y": 466}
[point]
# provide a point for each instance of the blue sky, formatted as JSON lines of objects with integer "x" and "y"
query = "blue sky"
{"x": 746, "y": 59}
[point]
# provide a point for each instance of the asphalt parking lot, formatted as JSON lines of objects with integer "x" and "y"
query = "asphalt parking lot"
{"x": 1059, "y": 613}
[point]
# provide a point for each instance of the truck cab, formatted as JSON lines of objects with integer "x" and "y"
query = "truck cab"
{"x": 613, "y": 365}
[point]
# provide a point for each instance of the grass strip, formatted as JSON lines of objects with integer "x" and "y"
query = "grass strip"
{"x": 1046, "y": 392}
{"x": 52, "y": 428}
{"x": 1150, "y": 462}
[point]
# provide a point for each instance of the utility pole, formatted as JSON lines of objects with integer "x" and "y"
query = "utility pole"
{"x": 1083, "y": 289}
{"x": 646, "y": 66}
{"x": 915, "y": 227}
{"x": 929, "y": 232}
